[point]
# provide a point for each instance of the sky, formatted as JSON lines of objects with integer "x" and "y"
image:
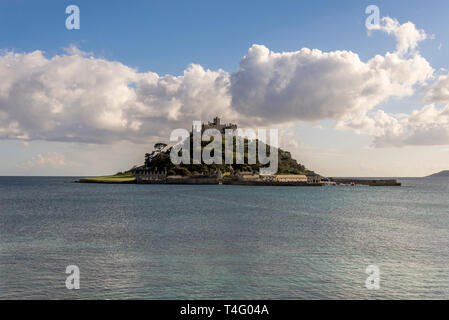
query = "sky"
{"x": 348, "y": 101}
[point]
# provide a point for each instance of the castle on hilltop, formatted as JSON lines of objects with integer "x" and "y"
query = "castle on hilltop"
{"x": 216, "y": 124}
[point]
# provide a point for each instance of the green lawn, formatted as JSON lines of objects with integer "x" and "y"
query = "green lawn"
{"x": 114, "y": 178}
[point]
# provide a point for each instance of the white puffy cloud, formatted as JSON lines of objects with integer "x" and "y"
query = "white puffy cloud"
{"x": 315, "y": 85}
{"x": 67, "y": 98}
{"x": 439, "y": 90}
{"x": 80, "y": 98}
{"x": 86, "y": 99}
{"x": 406, "y": 34}
{"x": 380, "y": 124}
{"x": 426, "y": 126}
{"x": 198, "y": 94}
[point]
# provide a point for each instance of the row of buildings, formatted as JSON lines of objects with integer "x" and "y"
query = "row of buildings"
{"x": 160, "y": 176}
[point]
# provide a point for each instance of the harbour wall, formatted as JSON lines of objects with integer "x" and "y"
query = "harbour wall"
{"x": 370, "y": 182}
{"x": 269, "y": 183}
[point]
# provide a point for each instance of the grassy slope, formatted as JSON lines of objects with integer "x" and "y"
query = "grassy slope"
{"x": 128, "y": 177}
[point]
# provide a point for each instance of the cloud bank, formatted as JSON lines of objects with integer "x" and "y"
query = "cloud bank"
{"x": 50, "y": 159}
{"x": 80, "y": 98}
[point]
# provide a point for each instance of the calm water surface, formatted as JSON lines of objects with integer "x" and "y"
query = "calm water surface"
{"x": 230, "y": 242}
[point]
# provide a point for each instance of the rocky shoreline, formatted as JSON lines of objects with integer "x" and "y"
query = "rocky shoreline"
{"x": 230, "y": 181}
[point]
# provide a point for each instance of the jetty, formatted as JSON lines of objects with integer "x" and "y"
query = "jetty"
{"x": 368, "y": 182}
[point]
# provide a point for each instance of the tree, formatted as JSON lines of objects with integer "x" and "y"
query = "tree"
{"x": 159, "y": 146}
{"x": 147, "y": 159}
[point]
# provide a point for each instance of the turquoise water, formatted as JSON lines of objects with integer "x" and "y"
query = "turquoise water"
{"x": 222, "y": 242}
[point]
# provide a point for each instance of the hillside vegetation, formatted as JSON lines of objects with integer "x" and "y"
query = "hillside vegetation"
{"x": 161, "y": 161}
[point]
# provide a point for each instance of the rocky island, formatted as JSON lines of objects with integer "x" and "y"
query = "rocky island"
{"x": 158, "y": 167}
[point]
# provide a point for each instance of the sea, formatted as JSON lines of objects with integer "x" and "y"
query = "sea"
{"x": 222, "y": 241}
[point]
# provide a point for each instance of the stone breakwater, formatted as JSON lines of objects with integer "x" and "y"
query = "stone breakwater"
{"x": 370, "y": 182}
{"x": 270, "y": 183}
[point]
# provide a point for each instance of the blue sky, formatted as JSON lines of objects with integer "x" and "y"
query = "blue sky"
{"x": 166, "y": 36}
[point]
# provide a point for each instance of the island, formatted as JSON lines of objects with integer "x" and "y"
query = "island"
{"x": 159, "y": 169}
{"x": 441, "y": 174}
